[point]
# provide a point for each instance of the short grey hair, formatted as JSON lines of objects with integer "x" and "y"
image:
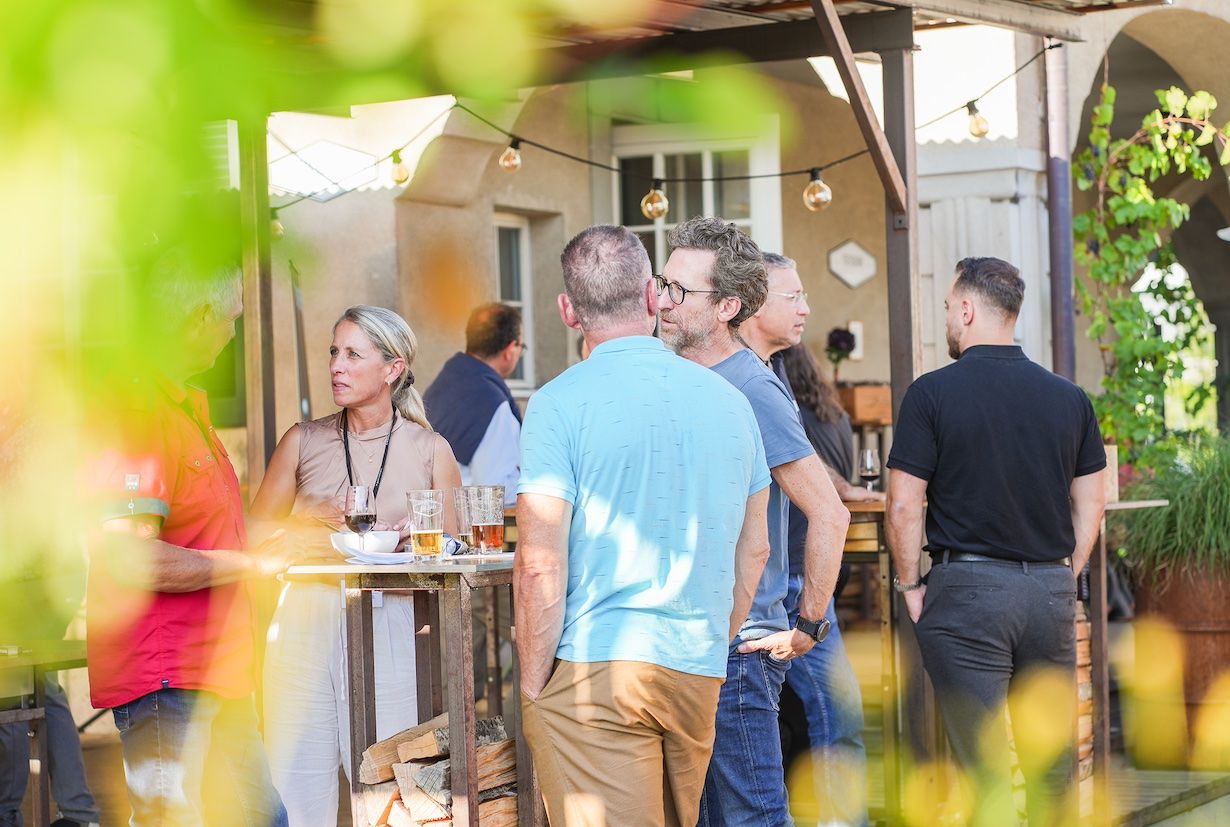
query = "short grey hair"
{"x": 605, "y": 270}
{"x": 777, "y": 261}
{"x": 738, "y": 269}
{"x": 178, "y": 284}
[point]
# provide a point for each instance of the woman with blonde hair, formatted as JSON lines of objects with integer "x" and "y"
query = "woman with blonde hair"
{"x": 380, "y": 438}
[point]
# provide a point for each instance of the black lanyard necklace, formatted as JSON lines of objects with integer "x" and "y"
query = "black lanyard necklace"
{"x": 346, "y": 447}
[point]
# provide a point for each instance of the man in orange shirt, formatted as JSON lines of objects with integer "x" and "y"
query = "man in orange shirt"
{"x": 170, "y": 633}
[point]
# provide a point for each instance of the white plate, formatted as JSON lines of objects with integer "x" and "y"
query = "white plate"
{"x": 374, "y": 543}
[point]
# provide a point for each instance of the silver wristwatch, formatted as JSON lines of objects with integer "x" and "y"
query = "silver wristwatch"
{"x": 906, "y": 587}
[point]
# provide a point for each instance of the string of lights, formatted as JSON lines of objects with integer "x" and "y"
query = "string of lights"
{"x": 817, "y": 195}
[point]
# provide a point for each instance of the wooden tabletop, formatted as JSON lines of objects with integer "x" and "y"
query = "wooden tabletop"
{"x": 467, "y": 564}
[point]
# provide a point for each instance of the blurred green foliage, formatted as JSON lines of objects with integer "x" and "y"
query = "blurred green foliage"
{"x": 107, "y": 160}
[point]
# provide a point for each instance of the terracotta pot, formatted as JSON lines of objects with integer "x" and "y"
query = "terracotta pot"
{"x": 1198, "y": 607}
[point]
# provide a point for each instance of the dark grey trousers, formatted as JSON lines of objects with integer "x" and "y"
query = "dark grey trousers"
{"x": 988, "y": 633}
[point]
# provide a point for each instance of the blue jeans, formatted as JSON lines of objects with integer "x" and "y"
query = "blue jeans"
{"x": 825, "y": 683}
{"x": 170, "y": 735}
{"x": 745, "y": 786}
{"x": 68, "y": 784}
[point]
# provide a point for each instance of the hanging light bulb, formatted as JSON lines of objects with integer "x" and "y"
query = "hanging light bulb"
{"x": 817, "y": 195}
{"x": 978, "y": 126}
{"x": 510, "y": 159}
{"x": 655, "y": 204}
{"x": 401, "y": 174}
{"x": 276, "y": 228}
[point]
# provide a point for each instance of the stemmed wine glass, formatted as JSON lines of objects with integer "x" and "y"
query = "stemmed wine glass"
{"x": 869, "y": 467}
{"x": 360, "y": 511}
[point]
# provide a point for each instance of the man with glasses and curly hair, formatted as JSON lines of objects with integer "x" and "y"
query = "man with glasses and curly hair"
{"x": 714, "y": 281}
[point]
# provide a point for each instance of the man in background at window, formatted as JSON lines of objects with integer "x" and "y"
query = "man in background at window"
{"x": 823, "y": 679}
{"x": 471, "y": 406}
{"x": 713, "y": 282}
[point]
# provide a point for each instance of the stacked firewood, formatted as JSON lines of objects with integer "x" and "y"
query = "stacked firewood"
{"x": 408, "y": 779}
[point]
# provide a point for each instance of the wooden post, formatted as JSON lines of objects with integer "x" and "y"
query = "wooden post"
{"x": 1099, "y": 651}
{"x": 459, "y": 652}
{"x": 426, "y": 654}
{"x": 257, "y": 298}
{"x": 1059, "y": 212}
{"x": 904, "y": 321}
{"x": 892, "y": 172}
{"x": 910, "y": 686}
{"x": 361, "y": 675}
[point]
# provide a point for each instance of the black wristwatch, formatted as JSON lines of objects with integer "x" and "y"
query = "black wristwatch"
{"x": 817, "y": 630}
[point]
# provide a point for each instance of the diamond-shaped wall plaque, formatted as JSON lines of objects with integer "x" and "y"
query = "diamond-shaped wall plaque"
{"x": 852, "y": 264}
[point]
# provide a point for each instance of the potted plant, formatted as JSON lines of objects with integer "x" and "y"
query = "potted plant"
{"x": 1180, "y": 559}
{"x": 839, "y": 346}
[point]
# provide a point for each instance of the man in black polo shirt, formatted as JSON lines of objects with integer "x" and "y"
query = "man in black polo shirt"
{"x": 1007, "y": 456}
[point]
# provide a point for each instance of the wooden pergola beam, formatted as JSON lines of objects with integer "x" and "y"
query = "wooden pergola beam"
{"x": 757, "y": 43}
{"x": 839, "y": 49}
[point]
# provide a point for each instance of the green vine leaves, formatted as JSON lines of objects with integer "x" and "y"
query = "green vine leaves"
{"x": 1142, "y": 318}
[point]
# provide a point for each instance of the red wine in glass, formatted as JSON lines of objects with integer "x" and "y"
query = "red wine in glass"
{"x": 361, "y": 523}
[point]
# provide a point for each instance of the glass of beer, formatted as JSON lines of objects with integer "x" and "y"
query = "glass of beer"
{"x": 462, "y": 503}
{"x": 487, "y": 516}
{"x": 426, "y": 514}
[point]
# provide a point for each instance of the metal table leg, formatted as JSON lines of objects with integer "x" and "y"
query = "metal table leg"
{"x": 41, "y": 809}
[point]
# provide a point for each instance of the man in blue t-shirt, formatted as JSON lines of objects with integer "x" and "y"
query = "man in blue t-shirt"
{"x": 641, "y": 513}
{"x": 713, "y": 258}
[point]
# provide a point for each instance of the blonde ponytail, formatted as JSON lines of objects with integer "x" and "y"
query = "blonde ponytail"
{"x": 394, "y": 339}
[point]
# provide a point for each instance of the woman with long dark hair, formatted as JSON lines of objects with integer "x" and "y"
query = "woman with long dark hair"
{"x": 824, "y": 681}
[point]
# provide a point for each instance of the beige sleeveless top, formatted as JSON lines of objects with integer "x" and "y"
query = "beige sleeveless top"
{"x": 321, "y": 480}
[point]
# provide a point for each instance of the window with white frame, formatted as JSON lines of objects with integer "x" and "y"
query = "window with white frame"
{"x": 512, "y": 286}
{"x": 673, "y": 151}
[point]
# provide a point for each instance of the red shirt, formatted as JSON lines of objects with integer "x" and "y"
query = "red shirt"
{"x": 163, "y": 459}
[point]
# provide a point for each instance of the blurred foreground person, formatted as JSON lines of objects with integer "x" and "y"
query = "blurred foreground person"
{"x": 641, "y": 513}
{"x": 169, "y": 620}
{"x": 379, "y": 438}
{"x": 1008, "y": 458}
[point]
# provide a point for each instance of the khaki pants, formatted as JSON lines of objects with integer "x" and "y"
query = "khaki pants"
{"x": 621, "y": 743}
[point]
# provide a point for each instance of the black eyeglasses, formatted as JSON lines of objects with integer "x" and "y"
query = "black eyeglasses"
{"x": 675, "y": 291}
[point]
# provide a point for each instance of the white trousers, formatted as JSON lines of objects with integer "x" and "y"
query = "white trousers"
{"x": 307, "y": 721}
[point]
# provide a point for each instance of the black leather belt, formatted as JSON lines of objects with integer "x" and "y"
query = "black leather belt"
{"x": 947, "y": 556}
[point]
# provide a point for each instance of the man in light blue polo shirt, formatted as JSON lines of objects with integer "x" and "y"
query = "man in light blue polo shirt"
{"x": 714, "y": 280}
{"x": 641, "y": 515}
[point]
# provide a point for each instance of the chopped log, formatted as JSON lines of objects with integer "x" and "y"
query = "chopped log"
{"x": 433, "y": 743}
{"x": 404, "y": 775}
{"x": 497, "y": 766}
{"x": 498, "y": 812}
{"x": 423, "y": 808}
{"x": 377, "y": 799}
{"x": 379, "y": 758}
{"x": 399, "y": 816}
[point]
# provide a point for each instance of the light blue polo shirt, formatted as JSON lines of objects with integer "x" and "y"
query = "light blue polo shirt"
{"x": 785, "y": 441}
{"x": 658, "y": 457}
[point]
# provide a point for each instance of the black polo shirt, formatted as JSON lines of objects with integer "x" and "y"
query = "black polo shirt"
{"x": 999, "y": 440}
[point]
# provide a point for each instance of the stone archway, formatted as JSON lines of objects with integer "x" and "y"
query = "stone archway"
{"x": 1156, "y": 50}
